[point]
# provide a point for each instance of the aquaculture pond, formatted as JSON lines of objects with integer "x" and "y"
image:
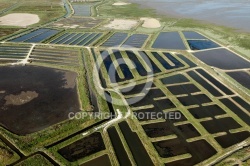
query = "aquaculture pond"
{"x": 84, "y": 147}
{"x": 13, "y": 53}
{"x": 36, "y": 36}
{"x": 29, "y": 35}
{"x": 241, "y": 77}
{"x": 139, "y": 88}
{"x": 13, "y": 48}
{"x": 240, "y": 113}
{"x": 204, "y": 83}
{"x": 176, "y": 62}
{"x": 69, "y": 36}
{"x": 223, "y": 59}
{"x": 199, "y": 150}
{"x": 220, "y": 125}
{"x": 149, "y": 94}
{"x": 123, "y": 66}
{"x": 71, "y": 40}
{"x": 232, "y": 138}
{"x": 137, "y": 62}
{"x": 91, "y": 41}
{"x": 201, "y": 44}
{"x": 199, "y": 105}
{"x": 135, "y": 40}
{"x": 144, "y": 112}
{"x": 135, "y": 145}
{"x": 36, "y": 97}
{"x": 125, "y": 72}
{"x": 242, "y": 103}
{"x": 160, "y": 129}
{"x": 98, "y": 161}
{"x": 55, "y": 56}
{"x": 108, "y": 63}
{"x": 215, "y": 82}
{"x": 206, "y": 111}
{"x": 5, "y": 61}
{"x": 194, "y": 100}
{"x": 178, "y": 78}
{"x": 183, "y": 89}
{"x": 121, "y": 154}
{"x": 193, "y": 35}
{"x": 115, "y": 40}
{"x": 169, "y": 40}
{"x": 42, "y": 37}
{"x": 57, "y": 40}
{"x": 173, "y": 139}
{"x": 87, "y": 39}
{"x": 167, "y": 128}
{"x": 186, "y": 60}
{"x": 163, "y": 62}
{"x": 149, "y": 62}
{"x": 149, "y": 98}
{"x": 80, "y": 39}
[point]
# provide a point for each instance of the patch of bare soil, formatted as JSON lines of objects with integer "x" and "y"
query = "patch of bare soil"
{"x": 150, "y": 22}
{"x": 121, "y": 24}
{"x": 120, "y": 4}
{"x": 19, "y": 19}
{"x": 20, "y": 99}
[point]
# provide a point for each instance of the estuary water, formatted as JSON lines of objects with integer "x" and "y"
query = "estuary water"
{"x": 230, "y": 13}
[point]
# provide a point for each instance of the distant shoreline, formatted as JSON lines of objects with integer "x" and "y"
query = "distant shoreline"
{"x": 235, "y": 22}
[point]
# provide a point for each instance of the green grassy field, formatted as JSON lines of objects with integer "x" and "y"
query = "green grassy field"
{"x": 35, "y": 160}
{"x": 7, "y": 31}
{"x": 7, "y": 156}
{"x": 241, "y": 157}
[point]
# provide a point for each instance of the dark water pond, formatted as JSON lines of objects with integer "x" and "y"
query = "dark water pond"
{"x": 169, "y": 40}
{"x": 49, "y": 90}
{"x": 242, "y": 77}
{"x": 223, "y": 59}
{"x": 201, "y": 44}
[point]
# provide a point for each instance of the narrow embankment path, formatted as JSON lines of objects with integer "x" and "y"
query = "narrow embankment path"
{"x": 26, "y": 59}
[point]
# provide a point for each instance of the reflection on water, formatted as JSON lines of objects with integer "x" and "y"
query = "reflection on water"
{"x": 232, "y": 13}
